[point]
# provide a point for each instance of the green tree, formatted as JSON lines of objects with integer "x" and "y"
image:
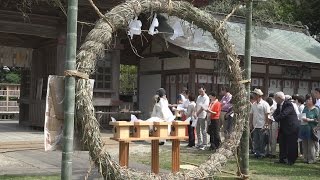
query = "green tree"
{"x": 298, "y": 12}
{"x": 128, "y": 78}
{"x": 13, "y": 77}
{"x": 308, "y": 12}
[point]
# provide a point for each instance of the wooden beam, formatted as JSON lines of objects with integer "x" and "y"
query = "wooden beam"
{"x": 204, "y": 55}
{"x": 178, "y": 51}
{"x": 15, "y": 16}
{"x": 28, "y": 29}
{"x": 101, "y": 4}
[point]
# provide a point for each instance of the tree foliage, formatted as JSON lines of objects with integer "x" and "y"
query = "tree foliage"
{"x": 12, "y": 75}
{"x": 297, "y": 12}
{"x": 128, "y": 78}
{"x": 308, "y": 12}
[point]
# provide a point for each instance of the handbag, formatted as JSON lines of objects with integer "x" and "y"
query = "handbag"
{"x": 315, "y": 135}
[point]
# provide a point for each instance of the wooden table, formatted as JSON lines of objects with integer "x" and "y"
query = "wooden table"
{"x": 175, "y": 163}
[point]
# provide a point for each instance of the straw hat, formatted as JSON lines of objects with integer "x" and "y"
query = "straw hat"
{"x": 257, "y": 91}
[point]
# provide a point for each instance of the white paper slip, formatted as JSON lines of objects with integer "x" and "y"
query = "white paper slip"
{"x": 113, "y": 119}
{"x": 188, "y": 119}
{"x": 133, "y": 118}
{"x": 154, "y": 119}
{"x": 302, "y": 116}
{"x": 194, "y": 122}
{"x": 180, "y": 108}
{"x": 170, "y": 119}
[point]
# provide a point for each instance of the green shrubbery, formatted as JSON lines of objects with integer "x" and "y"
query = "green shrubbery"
{"x": 10, "y": 75}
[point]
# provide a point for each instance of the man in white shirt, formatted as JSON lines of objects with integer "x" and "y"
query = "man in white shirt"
{"x": 183, "y": 96}
{"x": 202, "y": 104}
{"x": 183, "y": 103}
{"x": 317, "y": 95}
{"x": 295, "y": 106}
{"x": 273, "y": 128}
{"x": 274, "y": 104}
{"x": 259, "y": 118}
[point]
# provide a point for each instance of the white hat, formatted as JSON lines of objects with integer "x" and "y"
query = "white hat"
{"x": 287, "y": 97}
{"x": 257, "y": 91}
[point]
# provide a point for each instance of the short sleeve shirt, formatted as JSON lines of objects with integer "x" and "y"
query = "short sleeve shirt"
{"x": 204, "y": 102}
{"x": 318, "y": 103}
{"x": 259, "y": 110}
{"x": 216, "y": 107}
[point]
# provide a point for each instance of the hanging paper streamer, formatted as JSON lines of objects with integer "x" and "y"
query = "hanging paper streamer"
{"x": 154, "y": 24}
{"x": 197, "y": 37}
{"x": 113, "y": 119}
{"x": 134, "y": 27}
{"x": 177, "y": 31}
{"x": 133, "y": 118}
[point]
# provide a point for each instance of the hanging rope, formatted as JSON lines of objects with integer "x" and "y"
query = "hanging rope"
{"x": 76, "y": 73}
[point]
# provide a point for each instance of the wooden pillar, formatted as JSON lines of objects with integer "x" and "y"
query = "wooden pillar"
{"x": 61, "y": 54}
{"x": 7, "y": 98}
{"x": 175, "y": 164}
{"x": 124, "y": 153}
{"x": 192, "y": 75}
{"x": 115, "y": 71}
{"x": 266, "y": 81}
{"x": 155, "y": 156}
{"x": 163, "y": 77}
{"x": 138, "y": 86}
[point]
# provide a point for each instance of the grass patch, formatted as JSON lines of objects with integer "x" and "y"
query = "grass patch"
{"x": 260, "y": 169}
{"x": 33, "y": 177}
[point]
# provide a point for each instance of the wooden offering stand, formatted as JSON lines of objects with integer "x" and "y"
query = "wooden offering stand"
{"x": 141, "y": 129}
{"x": 141, "y": 133}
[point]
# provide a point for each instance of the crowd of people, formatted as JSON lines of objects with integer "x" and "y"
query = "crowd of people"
{"x": 291, "y": 121}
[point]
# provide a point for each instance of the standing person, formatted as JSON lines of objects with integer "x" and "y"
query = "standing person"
{"x": 202, "y": 103}
{"x": 299, "y": 100}
{"x": 274, "y": 103}
{"x": 251, "y": 145}
{"x": 191, "y": 112}
{"x": 214, "y": 127}
{"x": 317, "y": 96}
{"x": 225, "y": 105}
{"x": 259, "y": 118}
{"x": 309, "y": 121}
{"x": 161, "y": 109}
{"x": 271, "y": 95}
{"x": 289, "y": 98}
{"x": 229, "y": 122}
{"x": 300, "y": 103}
{"x": 289, "y": 128}
{"x": 182, "y": 105}
{"x": 273, "y": 129}
{"x": 183, "y": 96}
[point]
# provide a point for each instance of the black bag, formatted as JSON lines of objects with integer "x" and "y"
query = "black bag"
{"x": 314, "y": 135}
